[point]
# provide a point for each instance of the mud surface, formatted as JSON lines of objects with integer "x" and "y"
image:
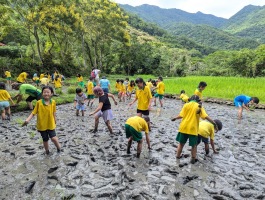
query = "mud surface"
{"x": 96, "y": 166}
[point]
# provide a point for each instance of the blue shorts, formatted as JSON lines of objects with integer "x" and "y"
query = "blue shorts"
{"x": 4, "y": 104}
{"x": 238, "y": 103}
{"x": 106, "y": 90}
{"x": 203, "y": 139}
{"x": 80, "y": 107}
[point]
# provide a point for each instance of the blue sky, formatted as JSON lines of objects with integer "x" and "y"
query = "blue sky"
{"x": 220, "y": 8}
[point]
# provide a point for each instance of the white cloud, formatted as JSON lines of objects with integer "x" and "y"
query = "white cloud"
{"x": 220, "y": 8}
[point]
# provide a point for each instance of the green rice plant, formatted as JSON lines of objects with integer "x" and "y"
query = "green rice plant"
{"x": 71, "y": 90}
{"x": 31, "y": 134}
{"x": 19, "y": 121}
{"x": 41, "y": 141}
{"x": 58, "y": 91}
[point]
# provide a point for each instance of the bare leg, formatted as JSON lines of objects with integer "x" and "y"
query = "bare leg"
{"x": 161, "y": 102}
{"x": 129, "y": 145}
{"x": 77, "y": 112}
{"x": 179, "y": 149}
{"x": 193, "y": 154}
{"x": 3, "y": 114}
{"x": 139, "y": 148}
{"x": 30, "y": 105}
{"x": 96, "y": 123}
{"x": 83, "y": 113}
{"x": 19, "y": 98}
{"x": 240, "y": 111}
{"x": 207, "y": 148}
{"x": 148, "y": 141}
{"x": 109, "y": 126}
{"x": 139, "y": 114}
{"x": 154, "y": 101}
{"x": 56, "y": 142}
{"x": 46, "y": 147}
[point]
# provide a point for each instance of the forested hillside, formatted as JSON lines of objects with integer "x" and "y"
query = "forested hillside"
{"x": 75, "y": 36}
{"x": 248, "y": 22}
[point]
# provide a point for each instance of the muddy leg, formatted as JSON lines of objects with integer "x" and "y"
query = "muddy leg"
{"x": 139, "y": 148}
{"x": 56, "y": 143}
{"x": 109, "y": 126}
{"x": 129, "y": 145}
{"x": 179, "y": 149}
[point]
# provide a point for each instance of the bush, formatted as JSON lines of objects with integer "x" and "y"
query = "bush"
{"x": 58, "y": 91}
{"x": 71, "y": 90}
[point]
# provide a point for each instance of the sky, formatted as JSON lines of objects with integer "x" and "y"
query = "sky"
{"x": 219, "y": 8}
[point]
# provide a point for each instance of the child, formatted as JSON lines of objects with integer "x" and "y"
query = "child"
{"x": 130, "y": 89}
{"x": 188, "y": 129}
{"x": 90, "y": 94}
{"x": 133, "y": 128}
{"x": 117, "y": 85}
{"x": 79, "y": 102}
{"x": 36, "y": 79}
{"x": 202, "y": 85}
{"x": 243, "y": 101}
{"x": 103, "y": 109}
{"x": 8, "y": 78}
{"x": 183, "y": 96}
{"x": 206, "y": 130}
{"x": 144, "y": 98}
{"x": 160, "y": 91}
{"x": 80, "y": 80}
{"x": 126, "y": 83}
{"x": 45, "y": 110}
{"x": 4, "y": 103}
{"x": 44, "y": 81}
{"x": 149, "y": 83}
{"x": 122, "y": 91}
{"x": 57, "y": 82}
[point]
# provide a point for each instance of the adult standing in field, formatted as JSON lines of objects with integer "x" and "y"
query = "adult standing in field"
{"x": 243, "y": 102}
{"x": 95, "y": 74}
{"x": 33, "y": 92}
{"x": 8, "y": 78}
{"x": 22, "y": 77}
{"x": 104, "y": 84}
{"x": 144, "y": 98}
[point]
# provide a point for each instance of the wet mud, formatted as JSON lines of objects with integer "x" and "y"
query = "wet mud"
{"x": 96, "y": 166}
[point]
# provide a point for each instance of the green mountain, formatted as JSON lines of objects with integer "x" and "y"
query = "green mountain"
{"x": 165, "y": 17}
{"x": 248, "y": 22}
{"x": 212, "y": 37}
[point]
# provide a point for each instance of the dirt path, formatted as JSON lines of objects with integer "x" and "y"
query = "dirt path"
{"x": 96, "y": 166}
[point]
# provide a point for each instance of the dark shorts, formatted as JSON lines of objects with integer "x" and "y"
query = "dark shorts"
{"x": 106, "y": 90}
{"x": 203, "y": 139}
{"x": 182, "y": 138}
{"x": 31, "y": 98}
{"x": 143, "y": 112}
{"x": 8, "y": 78}
{"x": 47, "y": 134}
{"x": 90, "y": 96}
{"x": 131, "y": 132}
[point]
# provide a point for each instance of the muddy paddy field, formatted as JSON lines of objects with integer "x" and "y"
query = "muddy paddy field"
{"x": 96, "y": 166}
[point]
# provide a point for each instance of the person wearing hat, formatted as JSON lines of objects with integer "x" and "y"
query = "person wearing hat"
{"x": 206, "y": 131}
{"x": 33, "y": 92}
{"x": 105, "y": 84}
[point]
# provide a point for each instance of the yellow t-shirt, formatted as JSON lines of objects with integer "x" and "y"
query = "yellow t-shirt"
{"x": 144, "y": 96}
{"x": 90, "y": 88}
{"x": 4, "y": 95}
{"x": 44, "y": 81}
{"x": 22, "y": 77}
{"x": 42, "y": 76}
{"x": 190, "y": 120}
{"x": 138, "y": 123}
{"x": 45, "y": 115}
{"x": 198, "y": 93}
{"x": 7, "y": 74}
{"x": 149, "y": 84}
{"x": 130, "y": 88}
{"x": 80, "y": 79}
{"x": 161, "y": 88}
{"x": 206, "y": 129}
{"x": 184, "y": 97}
{"x": 118, "y": 87}
{"x": 57, "y": 83}
{"x": 35, "y": 78}
{"x": 123, "y": 88}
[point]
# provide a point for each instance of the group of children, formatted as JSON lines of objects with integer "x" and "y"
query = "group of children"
{"x": 190, "y": 127}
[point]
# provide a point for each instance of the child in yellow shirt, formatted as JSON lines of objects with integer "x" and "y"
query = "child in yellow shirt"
{"x": 4, "y": 102}
{"x": 183, "y": 96}
{"x": 130, "y": 89}
{"x": 90, "y": 93}
{"x": 122, "y": 93}
{"x": 160, "y": 91}
{"x": 45, "y": 110}
{"x": 202, "y": 85}
{"x": 188, "y": 129}
{"x": 80, "y": 80}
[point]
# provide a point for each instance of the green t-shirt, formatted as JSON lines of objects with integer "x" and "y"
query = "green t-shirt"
{"x": 29, "y": 89}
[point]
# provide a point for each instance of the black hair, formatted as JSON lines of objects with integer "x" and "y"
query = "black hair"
{"x": 121, "y": 81}
{"x": 160, "y": 78}
{"x": 91, "y": 78}
{"x": 56, "y": 78}
{"x": 78, "y": 75}
{"x": 78, "y": 90}
{"x": 255, "y": 100}
{"x": 47, "y": 87}
{"x": 118, "y": 80}
{"x": 197, "y": 99}
{"x": 202, "y": 84}
{"x": 154, "y": 83}
{"x": 182, "y": 92}
{"x": 127, "y": 79}
{"x": 2, "y": 86}
{"x": 150, "y": 80}
{"x": 132, "y": 83}
{"x": 218, "y": 124}
{"x": 140, "y": 80}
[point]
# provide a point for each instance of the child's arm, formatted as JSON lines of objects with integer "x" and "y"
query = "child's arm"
{"x": 112, "y": 96}
{"x": 212, "y": 144}
{"x": 100, "y": 105}
{"x": 175, "y": 118}
{"x": 244, "y": 106}
{"x": 10, "y": 99}
{"x": 75, "y": 103}
{"x": 133, "y": 102}
{"x": 28, "y": 119}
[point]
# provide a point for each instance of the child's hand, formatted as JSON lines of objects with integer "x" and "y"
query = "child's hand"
{"x": 90, "y": 114}
{"x": 115, "y": 102}
{"x": 173, "y": 119}
{"x": 25, "y": 123}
